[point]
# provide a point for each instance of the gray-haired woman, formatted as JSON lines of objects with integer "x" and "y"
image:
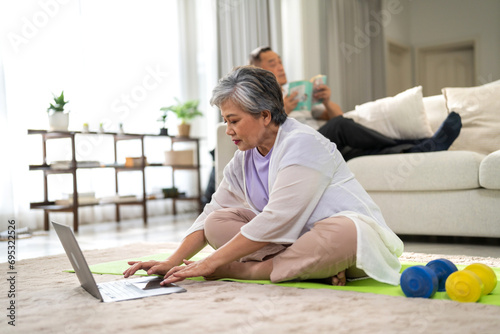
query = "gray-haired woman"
{"x": 288, "y": 207}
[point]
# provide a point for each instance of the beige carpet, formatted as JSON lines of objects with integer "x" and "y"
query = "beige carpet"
{"x": 51, "y": 301}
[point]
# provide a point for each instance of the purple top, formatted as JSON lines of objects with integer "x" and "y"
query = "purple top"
{"x": 256, "y": 174}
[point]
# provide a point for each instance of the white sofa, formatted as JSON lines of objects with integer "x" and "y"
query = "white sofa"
{"x": 447, "y": 193}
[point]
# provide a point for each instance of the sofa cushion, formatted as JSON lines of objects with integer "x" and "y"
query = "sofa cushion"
{"x": 399, "y": 117}
{"x": 497, "y": 82}
{"x": 435, "y": 109}
{"x": 466, "y": 213}
{"x": 224, "y": 152}
{"x": 445, "y": 170}
{"x": 479, "y": 108}
{"x": 489, "y": 171}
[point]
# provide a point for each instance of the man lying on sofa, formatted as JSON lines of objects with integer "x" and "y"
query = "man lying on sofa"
{"x": 352, "y": 139}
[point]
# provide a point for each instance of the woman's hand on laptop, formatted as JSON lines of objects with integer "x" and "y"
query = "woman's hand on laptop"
{"x": 191, "y": 269}
{"x": 151, "y": 267}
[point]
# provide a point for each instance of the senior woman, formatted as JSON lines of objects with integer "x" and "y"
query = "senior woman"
{"x": 288, "y": 208}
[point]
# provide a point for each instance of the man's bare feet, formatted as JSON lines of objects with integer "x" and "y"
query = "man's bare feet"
{"x": 339, "y": 279}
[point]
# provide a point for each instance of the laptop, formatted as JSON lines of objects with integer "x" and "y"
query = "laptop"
{"x": 114, "y": 291}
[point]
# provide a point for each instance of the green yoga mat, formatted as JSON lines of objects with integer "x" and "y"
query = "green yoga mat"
{"x": 365, "y": 285}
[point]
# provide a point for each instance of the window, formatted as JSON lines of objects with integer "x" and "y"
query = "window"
{"x": 117, "y": 62}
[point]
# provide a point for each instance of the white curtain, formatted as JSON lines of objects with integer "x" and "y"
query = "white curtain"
{"x": 243, "y": 26}
{"x": 117, "y": 62}
{"x": 354, "y": 50}
{"x": 198, "y": 67}
{"x": 6, "y": 152}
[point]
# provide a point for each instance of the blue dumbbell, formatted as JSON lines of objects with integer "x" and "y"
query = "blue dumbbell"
{"x": 424, "y": 281}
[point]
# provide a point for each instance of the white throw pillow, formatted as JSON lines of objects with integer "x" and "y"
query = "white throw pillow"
{"x": 353, "y": 114}
{"x": 479, "y": 108}
{"x": 492, "y": 83}
{"x": 399, "y": 117}
{"x": 435, "y": 109}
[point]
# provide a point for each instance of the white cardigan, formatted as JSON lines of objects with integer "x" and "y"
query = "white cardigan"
{"x": 308, "y": 182}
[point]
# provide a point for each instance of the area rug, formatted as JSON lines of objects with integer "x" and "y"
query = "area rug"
{"x": 364, "y": 285}
{"x": 49, "y": 300}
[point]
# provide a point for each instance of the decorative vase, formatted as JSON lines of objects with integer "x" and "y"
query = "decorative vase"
{"x": 85, "y": 128}
{"x": 58, "y": 121}
{"x": 163, "y": 132}
{"x": 184, "y": 129}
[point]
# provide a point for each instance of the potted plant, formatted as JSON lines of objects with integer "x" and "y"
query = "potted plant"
{"x": 185, "y": 112}
{"x": 58, "y": 117}
{"x": 163, "y": 120}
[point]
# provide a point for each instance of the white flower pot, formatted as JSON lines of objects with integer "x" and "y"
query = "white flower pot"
{"x": 58, "y": 121}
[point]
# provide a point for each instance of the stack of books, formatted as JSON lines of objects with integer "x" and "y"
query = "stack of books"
{"x": 118, "y": 199}
{"x": 83, "y": 198}
{"x": 66, "y": 164}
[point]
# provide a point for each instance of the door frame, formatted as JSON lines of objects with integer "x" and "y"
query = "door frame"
{"x": 408, "y": 59}
{"x": 422, "y": 50}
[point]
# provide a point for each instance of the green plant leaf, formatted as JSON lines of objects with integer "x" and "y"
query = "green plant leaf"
{"x": 184, "y": 111}
{"x": 59, "y": 104}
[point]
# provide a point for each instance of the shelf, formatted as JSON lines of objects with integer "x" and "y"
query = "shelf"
{"x": 122, "y": 167}
{"x": 183, "y": 198}
{"x": 47, "y": 169}
{"x": 51, "y": 169}
{"x": 59, "y": 207}
{"x": 127, "y": 136}
{"x": 120, "y": 136}
{"x": 50, "y": 206}
{"x": 119, "y": 167}
{"x": 68, "y": 167}
{"x": 182, "y": 166}
{"x": 52, "y": 134}
{"x": 113, "y": 165}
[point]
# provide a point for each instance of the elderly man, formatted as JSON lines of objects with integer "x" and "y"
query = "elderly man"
{"x": 352, "y": 139}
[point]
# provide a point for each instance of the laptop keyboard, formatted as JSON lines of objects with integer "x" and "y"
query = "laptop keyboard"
{"x": 120, "y": 289}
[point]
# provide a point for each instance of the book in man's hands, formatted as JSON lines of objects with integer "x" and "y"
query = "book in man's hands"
{"x": 305, "y": 90}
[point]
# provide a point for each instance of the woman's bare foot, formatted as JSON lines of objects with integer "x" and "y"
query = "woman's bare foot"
{"x": 339, "y": 279}
{"x": 243, "y": 270}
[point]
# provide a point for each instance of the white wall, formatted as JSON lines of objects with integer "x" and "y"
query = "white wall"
{"x": 433, "y": 22}
{"x": 460, "y": 20}
{"x": 397, "y": 28}
{"x": 412, "y": 23}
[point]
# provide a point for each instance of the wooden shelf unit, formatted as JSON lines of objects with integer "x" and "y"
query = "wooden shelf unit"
{"x": 50, "y": 206}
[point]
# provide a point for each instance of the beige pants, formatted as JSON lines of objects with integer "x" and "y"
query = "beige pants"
{"x": 327, "y": 249}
